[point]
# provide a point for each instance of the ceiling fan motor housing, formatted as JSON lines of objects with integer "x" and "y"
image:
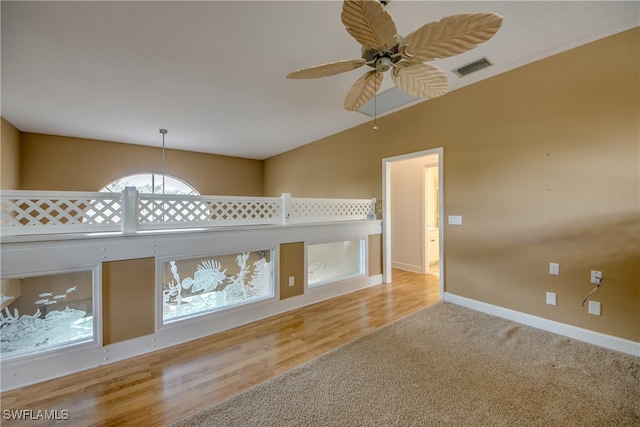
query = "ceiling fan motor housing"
{"x": 383, "y": 64}
{"x": 381, "y": 59}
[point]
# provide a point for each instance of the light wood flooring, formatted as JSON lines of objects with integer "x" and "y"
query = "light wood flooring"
{"x": 165, "y": 386}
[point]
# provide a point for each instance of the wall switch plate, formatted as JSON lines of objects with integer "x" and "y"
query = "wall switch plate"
{"x": 292, "y": 281}
{"x": 554, "y": 268}
{"x": 596, "y": 277}
{"x": 551, "y": 298}
{"x": 594, "y": 308}
{"x": 455, "y": 220}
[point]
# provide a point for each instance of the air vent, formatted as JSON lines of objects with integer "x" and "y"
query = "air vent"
{"x": 473, "y": 67}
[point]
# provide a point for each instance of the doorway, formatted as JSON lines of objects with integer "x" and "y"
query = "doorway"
{"x": 412, "y": 207}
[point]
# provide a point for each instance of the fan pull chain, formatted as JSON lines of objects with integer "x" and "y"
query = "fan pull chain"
{"x": 375, "y": 105}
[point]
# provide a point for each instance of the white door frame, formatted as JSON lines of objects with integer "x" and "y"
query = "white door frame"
{"x": 386, "y": 211}
{"x": 425, "y": 208}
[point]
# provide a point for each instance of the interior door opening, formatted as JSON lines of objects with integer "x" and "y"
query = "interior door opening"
{"x": 413, "y": 232}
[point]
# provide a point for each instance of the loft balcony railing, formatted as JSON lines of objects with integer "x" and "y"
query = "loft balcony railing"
{"x": 129, "y": 212}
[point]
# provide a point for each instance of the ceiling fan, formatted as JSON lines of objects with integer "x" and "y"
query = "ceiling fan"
{"x": 383, "y": 48}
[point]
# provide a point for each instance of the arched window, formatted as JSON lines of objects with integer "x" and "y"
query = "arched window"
{"x": 150, "y": 183}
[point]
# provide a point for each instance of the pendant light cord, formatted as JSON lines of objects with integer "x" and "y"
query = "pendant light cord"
{"x": 163, "y": 132}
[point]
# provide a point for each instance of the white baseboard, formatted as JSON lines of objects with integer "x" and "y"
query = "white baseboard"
{"x": 607, "y": 341}
{"x": 408, "y": 267}
{"x": 375, "y": 280}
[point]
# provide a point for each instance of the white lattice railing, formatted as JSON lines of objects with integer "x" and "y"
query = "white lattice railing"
{"x": 36, "y": 212}
{"x": 47, "y": 212}
{"x": 314, "y": 210}
{"x": 162, "y": 211}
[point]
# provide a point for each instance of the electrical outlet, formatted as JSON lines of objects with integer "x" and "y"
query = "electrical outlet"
{"x": 596, "y": 277}
{"x": 554, "y": 268}
{"x": 551, "y": 298}
{"x": 292, "y": 281}
{"x": 594, "y": 308}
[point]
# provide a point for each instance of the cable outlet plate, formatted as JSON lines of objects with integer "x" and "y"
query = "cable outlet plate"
{"x": 596, "y": 277}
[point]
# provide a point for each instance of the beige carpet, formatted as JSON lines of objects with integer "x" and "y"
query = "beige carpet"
{"x": 446, "y": 365}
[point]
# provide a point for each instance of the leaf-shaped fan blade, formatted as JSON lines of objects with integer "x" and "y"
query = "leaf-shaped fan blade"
{"x": 363, "y": 90}
{"x": 420, "y": 80}
{"x": 450, "y": 36}
{"x": 369, "y": 23}
{"x": 325, "y": 70}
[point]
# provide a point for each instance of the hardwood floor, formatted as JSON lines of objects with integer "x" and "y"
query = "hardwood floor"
{"x": 163, "y": 387}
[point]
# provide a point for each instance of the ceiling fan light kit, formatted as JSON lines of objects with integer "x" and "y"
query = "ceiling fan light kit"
{"x": 383, "y": 49}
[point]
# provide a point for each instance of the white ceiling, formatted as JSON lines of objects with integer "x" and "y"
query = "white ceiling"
{"x": 213, "y": 72}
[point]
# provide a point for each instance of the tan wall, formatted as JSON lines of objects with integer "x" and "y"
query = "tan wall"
{"x": 291, "y": 265}
{"x": 375, "y": 254}
{"x": 9, "y": 157}
{"x": 128, "y": 299}
{"x": 542, "y": 162}
{"x": 73, "y": 164}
